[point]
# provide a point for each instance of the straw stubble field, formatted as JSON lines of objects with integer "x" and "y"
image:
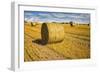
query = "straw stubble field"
{"x": 76, "y": 44}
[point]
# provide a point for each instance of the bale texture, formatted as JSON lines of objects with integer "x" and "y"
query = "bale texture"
{"x": 52, "y": 33}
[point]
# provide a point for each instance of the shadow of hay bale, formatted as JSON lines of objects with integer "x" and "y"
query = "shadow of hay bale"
{"x": 39, "y": 41}
{"x": 42, "y": 42}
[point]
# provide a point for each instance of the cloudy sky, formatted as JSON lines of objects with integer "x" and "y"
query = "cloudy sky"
{"x": 56, "y": 17}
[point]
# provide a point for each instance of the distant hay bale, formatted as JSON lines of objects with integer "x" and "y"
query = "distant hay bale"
{"x": 88, "y": 24}
{"x": 52, "y": 33}
{"x": 71, "y": 23}
{"x": 33, "y": 23}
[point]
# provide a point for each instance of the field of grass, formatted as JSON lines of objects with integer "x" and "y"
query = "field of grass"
{"x": 76, "y": 44}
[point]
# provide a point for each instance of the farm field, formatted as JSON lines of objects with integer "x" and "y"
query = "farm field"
{"x": 76, "y": 44}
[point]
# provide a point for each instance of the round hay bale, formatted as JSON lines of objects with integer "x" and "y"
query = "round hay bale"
{"x": 52, "y": 33}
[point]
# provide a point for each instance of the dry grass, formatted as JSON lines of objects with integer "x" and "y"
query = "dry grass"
{"x": 76, "y": 44}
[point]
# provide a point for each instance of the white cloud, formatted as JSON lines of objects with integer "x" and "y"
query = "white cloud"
{"x": 25, "y": 19}
{"x": 31, "y": 19}
{"x": 28, "y": 14}
{"x": 58, "y": 15}
{"x": 46, "y": 15}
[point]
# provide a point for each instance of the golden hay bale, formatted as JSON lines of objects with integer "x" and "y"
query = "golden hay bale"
{"x": 51, "y": 32}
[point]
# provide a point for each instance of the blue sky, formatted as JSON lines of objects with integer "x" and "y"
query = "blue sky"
{"x": 56, "y": 17}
